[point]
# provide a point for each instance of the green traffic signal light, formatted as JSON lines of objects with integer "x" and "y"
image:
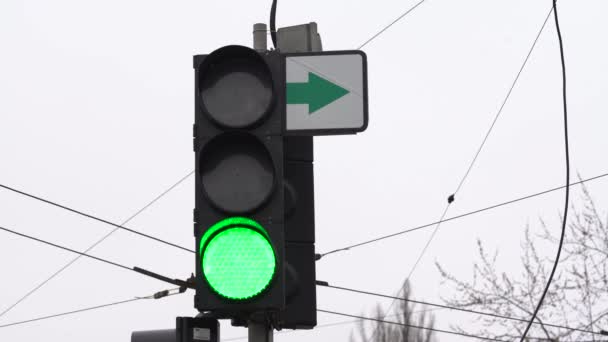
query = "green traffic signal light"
{"x": 237, "y": 258}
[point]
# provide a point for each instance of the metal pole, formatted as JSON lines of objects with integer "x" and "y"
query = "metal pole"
{"x": 260, "y": 37}
{"x": 260, "y": 332}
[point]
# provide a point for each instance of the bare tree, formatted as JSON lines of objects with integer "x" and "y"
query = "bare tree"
{"x": 407, "y": 315}
{"x": 577, "y": 298}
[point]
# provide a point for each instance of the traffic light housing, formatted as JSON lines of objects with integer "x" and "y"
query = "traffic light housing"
{"x": 239, "y": 213}
{"x": 300, "y": 280}
{"x": 187, "y": 329}
{"x": 254, "y": 214}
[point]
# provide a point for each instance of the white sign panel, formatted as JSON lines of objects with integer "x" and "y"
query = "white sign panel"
{"x": 326, "y": 93}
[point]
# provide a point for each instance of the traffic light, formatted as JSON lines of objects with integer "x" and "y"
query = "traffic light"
{"x": 255, "y": 115}
{"x": 240, "y": 201}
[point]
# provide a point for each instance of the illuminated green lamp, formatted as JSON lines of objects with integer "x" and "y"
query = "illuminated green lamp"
{"x": 237, "y": 258}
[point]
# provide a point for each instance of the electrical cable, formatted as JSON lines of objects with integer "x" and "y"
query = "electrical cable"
{"x": 273, "y": 23}
{"x": 441, "y": 220}
{"x": 451, "y": 198}
{"x": 567, "y": 150}
{"x": 94, "y": 217}
{"x": 428, "y": 243}
{"x": 411, "y": 326}
{"x": 426, "y": 246}
{"x": 455, "y": 308}
{"x": 181, "y": 283}
{"x": 391, "y": 235}
{"x": 384, "y": 237}
{"x": 328, "y": 325}
{"x": 158, "y": 295}
{"x": 504, "y": 102}
{"x": 99, "y": 241}
{"x": 70, "y": 312}
{"x": 66, "y": 248}
{"x": 391, "y": 24}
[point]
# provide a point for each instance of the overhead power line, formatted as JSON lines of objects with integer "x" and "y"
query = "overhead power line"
{"x": 328, "y": 325}
{"x": 158, "y": 295}
{"x": 567, "y": 150}
{"x": 70, "y": 312}
{"x": 98, "y": 242}
{"x": 455, "y": 308}
{"x": 411, "y": 326}
{"x": 136, "y": 269}
{"x": 452, "y": 197}
{"x": 118, "y": 226}
{"x": 391, "y": 24}
{"x": 424, "y": 249}
{"x": 384, "y": 237}
{"x": 504, "y": 103}
{"x": 428, "y": 242}
{"x": 273, "y": 23}
{"x": 66, "y": 248}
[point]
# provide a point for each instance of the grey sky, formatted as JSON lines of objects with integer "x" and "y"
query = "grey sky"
{"x": 96, "y": 112}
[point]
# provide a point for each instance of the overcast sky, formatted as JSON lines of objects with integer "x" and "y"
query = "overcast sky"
{"x": 96, "y": 112}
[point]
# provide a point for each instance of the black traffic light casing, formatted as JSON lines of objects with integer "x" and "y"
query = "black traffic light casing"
{"x": 299, "y": 190}
{"x": 196, "y": 329}
{"x": 239, "y": 147}
{"x": 187, "y": 329}
{"x": 301, "y": 304}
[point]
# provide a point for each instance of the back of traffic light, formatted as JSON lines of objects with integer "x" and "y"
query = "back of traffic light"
{"x": 300, "y": 290}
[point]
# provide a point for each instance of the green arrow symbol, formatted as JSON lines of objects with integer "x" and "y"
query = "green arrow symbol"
{"x": 316, "y": 93}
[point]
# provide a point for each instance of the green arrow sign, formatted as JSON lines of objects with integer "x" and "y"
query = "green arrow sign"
{"x": 316, "y": 93}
